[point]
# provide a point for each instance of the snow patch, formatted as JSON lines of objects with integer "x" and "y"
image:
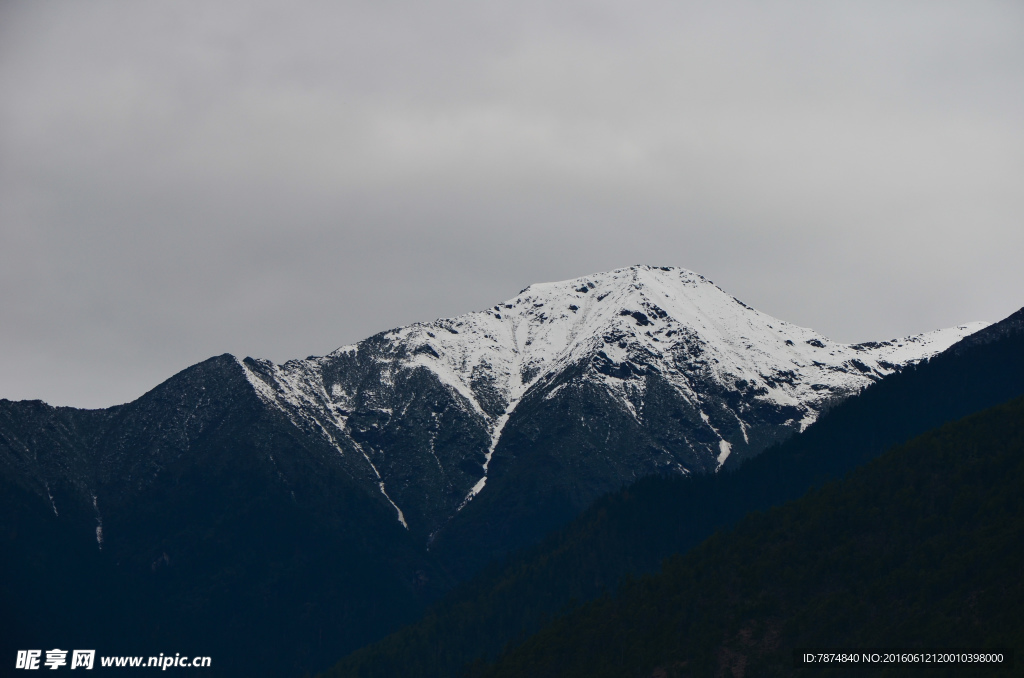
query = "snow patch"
{"x": 380, "y": 484}
{"x": 724, "y": 450}
{"x": 495, "y": 436}
{"x": 51, "y": 500}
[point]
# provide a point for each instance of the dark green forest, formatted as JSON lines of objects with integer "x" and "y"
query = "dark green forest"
{"x": 922, "y": 548}
{"x": 631, "y": 532}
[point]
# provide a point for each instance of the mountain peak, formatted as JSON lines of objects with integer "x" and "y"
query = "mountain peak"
{"x": 734, "y": 379}
{"x": 653, "y": 313}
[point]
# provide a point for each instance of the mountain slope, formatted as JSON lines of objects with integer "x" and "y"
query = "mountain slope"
{"x": 197, "y": 521}
{"x": 631, "y": 531}
{"x": 598, "y": 380}
{"x": 921, "y": 548}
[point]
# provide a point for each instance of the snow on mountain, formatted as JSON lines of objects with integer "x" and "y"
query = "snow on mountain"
{"x": 617, "y": 331}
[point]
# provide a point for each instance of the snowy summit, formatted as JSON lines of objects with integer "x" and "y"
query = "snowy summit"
{"x": 697, "y": 372}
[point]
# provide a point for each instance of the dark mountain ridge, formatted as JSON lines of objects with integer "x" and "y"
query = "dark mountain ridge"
{"x": 199, "y": 524}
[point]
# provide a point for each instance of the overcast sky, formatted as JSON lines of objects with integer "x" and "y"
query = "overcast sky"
{"x": 183, "y": 179}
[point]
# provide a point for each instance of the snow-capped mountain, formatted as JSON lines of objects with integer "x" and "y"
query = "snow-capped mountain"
{"x": 345, "y": 493}
{"x": 642, "y": 369}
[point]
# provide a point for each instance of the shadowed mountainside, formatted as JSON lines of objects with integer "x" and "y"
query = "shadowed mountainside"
{"x": 630, "y": 532}
{"x": 922, "y": 548}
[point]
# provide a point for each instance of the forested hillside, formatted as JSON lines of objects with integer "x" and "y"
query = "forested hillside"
{"x": 922, "y": 548}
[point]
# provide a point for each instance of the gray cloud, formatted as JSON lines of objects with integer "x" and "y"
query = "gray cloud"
{"x": 180, "y": 179}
